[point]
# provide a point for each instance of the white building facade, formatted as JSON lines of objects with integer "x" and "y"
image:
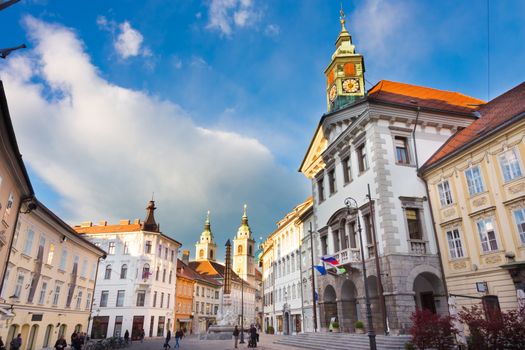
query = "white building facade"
{"x": 378, "y": 139}
{"x": 136, "y": 284}
{"x": 282, "y": 274}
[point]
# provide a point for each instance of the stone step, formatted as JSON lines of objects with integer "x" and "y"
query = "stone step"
{"x": 342, "y": 341}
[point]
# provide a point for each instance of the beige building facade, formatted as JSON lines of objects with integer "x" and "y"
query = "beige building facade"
{"x": 476, "y": 185}
{"x": 49, "y": 280}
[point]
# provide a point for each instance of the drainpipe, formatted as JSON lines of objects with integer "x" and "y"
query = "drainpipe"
{"x": 93, "y": 297}
{"x": 414, "y": 134}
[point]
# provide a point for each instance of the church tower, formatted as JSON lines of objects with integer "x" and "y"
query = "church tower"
{"x": 244, "y": 252}
{"x": 205, "y": 248}
{"x": 345, "y": 80}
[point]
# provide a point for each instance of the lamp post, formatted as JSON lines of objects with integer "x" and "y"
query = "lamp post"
{"x": 371, "y": 333}
{"x": 242, "y": 312}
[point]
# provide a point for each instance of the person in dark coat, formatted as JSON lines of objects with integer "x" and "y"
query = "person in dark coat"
{"x": 60, "y": 343}
{"x": 236, "y": 335}
{"x": 253, "y": 336}
{"x": 16, "y": 343}
{"x": 126, "y": 337}
{"x": 142, "y": 335}
{"x": 178, "y": 336}
{"x": 168, "y": 338}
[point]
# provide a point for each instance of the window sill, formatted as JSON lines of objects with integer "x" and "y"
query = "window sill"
{"x": 479, "y": 194}
{"x": 511, "y": 181}
{"x": 498, "y": 251}
{"x": 362, "y": 172}
{"x": 61, "y": 271}
{"x": 407, "y": 165}
{"x": 332, "y": 194}
{"x": 463, "y": 258}
{"x": 448, "y": 205}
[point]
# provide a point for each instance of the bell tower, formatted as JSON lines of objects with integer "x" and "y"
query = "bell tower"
{"x": 244, "y": 251}
{"x": 205, "y": 248}
{"x": 345, "y": 80}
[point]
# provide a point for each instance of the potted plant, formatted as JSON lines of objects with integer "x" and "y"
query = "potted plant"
{"x": 335, "y": 326}
{"x": 359, "y": 327}
{"x": 270, "y": 330}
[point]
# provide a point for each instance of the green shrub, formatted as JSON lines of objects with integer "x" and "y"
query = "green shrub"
{"x": 270, "y": 330}
{"x": 359, "y": 325}
{"x": 335, "y": 324}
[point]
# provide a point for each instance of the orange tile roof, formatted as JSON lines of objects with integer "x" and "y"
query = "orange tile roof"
{"x": 108, "y": 228}
{"x": 424, "y": 97}
{"x": 498, "y": 112}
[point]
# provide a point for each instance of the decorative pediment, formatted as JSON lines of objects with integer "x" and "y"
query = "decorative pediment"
{"x": 313, "y": 162}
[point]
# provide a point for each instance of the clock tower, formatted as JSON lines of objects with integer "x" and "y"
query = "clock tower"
{"x": 345, "y": 80}
{"x": 244, "y": 252}
{"x": 205, "y": 248}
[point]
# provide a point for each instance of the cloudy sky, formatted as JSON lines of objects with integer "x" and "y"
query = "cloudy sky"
{"x": 211, "y": 104}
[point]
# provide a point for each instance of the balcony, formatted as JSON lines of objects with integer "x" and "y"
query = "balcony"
{"x": 348, "y": 255}
{"x": 418, "y": 246}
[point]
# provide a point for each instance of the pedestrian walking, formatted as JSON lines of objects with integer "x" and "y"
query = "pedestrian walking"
{"x": 236, "y": 335}
{"x": 76, "y": 343}
{"x": 142, "y": 335}
{"x": 16, "y": 343}
{"x": 168, "y": 338}
{"x": 253, "y": 337}
{"x": 126, "y": 337}
{"x": 178, "y": 337}
{"x": 60, "y": 343}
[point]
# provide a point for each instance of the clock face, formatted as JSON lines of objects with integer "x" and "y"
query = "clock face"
{"x": 351, "y": 85}
{"x": 333, "y": 93}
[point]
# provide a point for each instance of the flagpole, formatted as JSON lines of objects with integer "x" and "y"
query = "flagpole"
{"x": 314, "y": 304}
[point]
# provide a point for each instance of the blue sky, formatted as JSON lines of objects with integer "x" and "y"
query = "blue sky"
{"x": 211, "y": 104}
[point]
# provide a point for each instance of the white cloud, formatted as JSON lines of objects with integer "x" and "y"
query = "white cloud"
{"x": 226, "y": 14}
{"x": 105, "y": 148}
{"x": 388, "y": 31}
{"x": 127, "y": 40}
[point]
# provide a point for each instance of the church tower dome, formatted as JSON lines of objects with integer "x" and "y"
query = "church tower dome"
{"x": 205, "y": 248}
{"x": 244, "y": 251}
{"x": 345, "y": 80}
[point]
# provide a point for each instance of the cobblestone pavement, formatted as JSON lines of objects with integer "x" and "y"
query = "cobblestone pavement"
{"x": 193, "y": 343}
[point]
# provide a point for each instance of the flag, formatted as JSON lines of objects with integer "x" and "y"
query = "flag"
{"x": 321, "y": 269}
{"x": 329, "y": 259}
{"x": 340, "y": 270}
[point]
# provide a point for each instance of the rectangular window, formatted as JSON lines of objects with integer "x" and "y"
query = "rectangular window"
{"x": 163, "y": 275}
{"x": 161, "y": 299}
{"x": 172, "y": 255}
{"x": 126, "y": 248}
{"x": 147, "y": 248}
{"x": 141, "y": 297}
{"x": 455, "y": 247}
{"x": 320, "y": 189}
{"x": 79, "y": 299}
{"x": 519, "y": 216}
{"x": 216, "y": 295}
{"x": 487, "y": 235}
{"x": 474, "y": 180}
{"x": 362, "y": 158}
{"x": 93, "y": 272}
{"x": 166, "y": 253}
{"x": 17, "y": 232}
{"x": 510, "y": 164}
{"x": 19, "y": 285}
{"x": 111, "y": 248}
{"x": 50, "y": 254}
{"x": 154, "y": 299}
{"x": 6, "y": 282}
{"x": 43, "y": 290}
{"x": 414, "y": 223}
{"x": 88, "y": 301}
{"x": 347, "y": 170}
{"x": 331, "y": 181}
{"x": 168, "y": 301}
{"x": 83, "y": 272}
{"x": 117, "y": 330}
{"x": 104, "y": 298}
{"x": 63, "y": 260}
{"x": 159, "y": 253}
{"x": 445, "y": 195}
{"x": 76, "y": 259}
{"x": 324, "y": 245}
{"x": 56, "y": 295}
{"x": 401, "y": 144}
{"x": 28, "y": 246}
{"x": 197, "y": 291}
{"x": 120, "y": 298}
{"x": 8, "y": 206}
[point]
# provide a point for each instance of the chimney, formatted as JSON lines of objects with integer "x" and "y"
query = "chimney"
{"x": 137, "y": 222}
{"x": 124, "y": 222}
{"x": 103, "y": 223}
{"x": 86, "y": 224}
{"x": 186, "y": 256}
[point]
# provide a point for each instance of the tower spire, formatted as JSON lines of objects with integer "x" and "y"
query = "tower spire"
{"x": 150, "y": 224}
{"x": 342, "y": 18}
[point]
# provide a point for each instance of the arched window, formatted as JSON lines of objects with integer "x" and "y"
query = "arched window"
{"x": 211, "y": 254}
{"x": 145, "y": 271}
{"x": 107, "y": 273}
{"x": 239, "y": 249}
{"x": 123, "y": 271}
{"x": 201, "y": 253}
{"x": 250, "y": 250}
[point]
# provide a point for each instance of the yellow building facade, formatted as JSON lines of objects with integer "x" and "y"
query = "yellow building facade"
{"x": 476, "y": 185}
{"x": 49, "y": 280}
{"x": 184, "y": 297}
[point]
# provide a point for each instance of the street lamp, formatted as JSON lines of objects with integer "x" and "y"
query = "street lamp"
{"x": 242, "y": 311}
{"x": 371, "y": 333}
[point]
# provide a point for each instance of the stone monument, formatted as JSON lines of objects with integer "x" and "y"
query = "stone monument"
{"x": 226, "y": 319}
